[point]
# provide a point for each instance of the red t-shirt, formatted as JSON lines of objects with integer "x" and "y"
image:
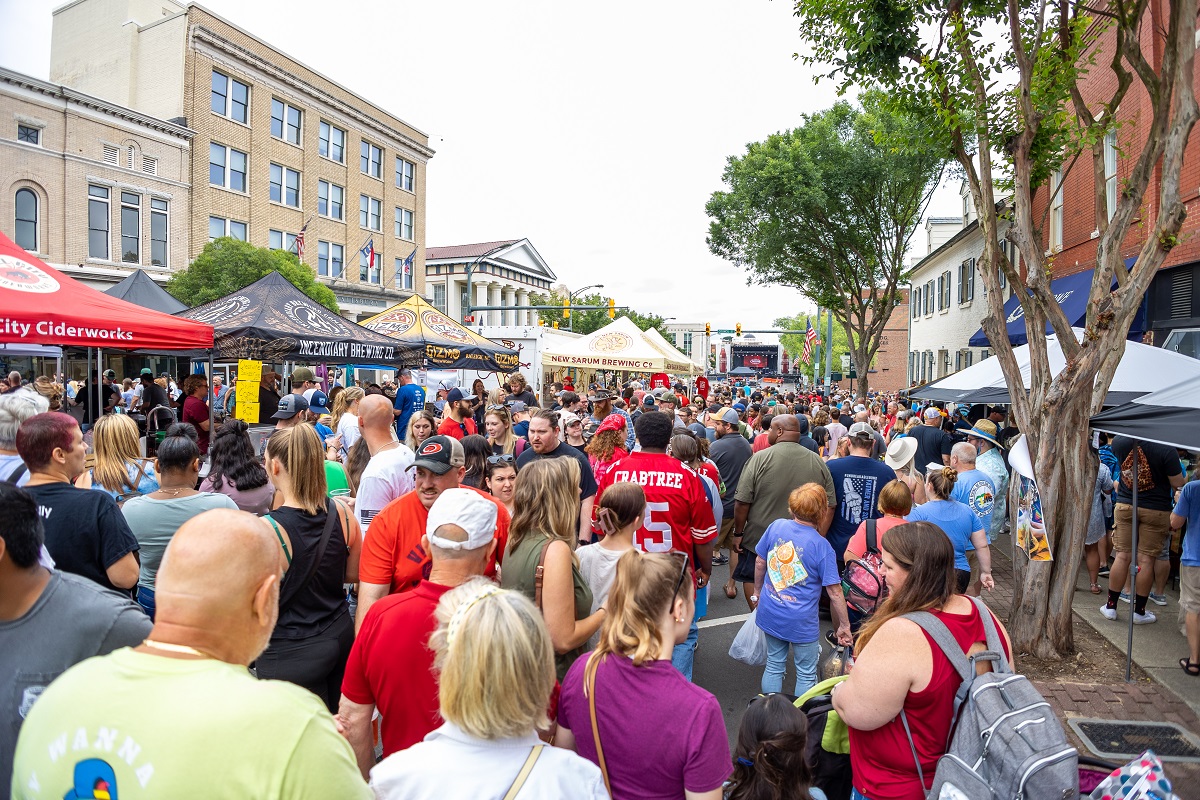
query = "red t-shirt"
{"x": 678, "y": 515}
{"x": 392, "y": 554}
{"x": 458, "y": 430}
{"x": 391, "y": 666}
{"x": 882, "y": 759}
{"x": 761, "y": 442}
{"x": 195, "y": 412}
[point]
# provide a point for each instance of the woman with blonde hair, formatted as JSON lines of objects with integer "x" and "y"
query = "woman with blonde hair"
{"x": 498, "y": 424}
{"x": 320, "y": 544}
{"x": 421, "y": 426}
{"x": 344, "y": 417}
{"x": 684, "y": 751}
{"x": 495, "y": 666}
{"x": 120, "y": 470}
{"x": 607, "y": 446}
{"x": 541, "y": 538}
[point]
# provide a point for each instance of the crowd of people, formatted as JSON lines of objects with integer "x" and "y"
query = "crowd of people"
{"x": 487, "y": 596}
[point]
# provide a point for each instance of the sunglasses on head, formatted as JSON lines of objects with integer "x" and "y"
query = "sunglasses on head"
{"x": 497, "y": 406}
{"x": 504, "y": 458}
{"x": 683, "y": 571}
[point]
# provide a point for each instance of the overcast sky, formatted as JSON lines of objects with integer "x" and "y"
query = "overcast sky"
{"x": 597, "y": 131}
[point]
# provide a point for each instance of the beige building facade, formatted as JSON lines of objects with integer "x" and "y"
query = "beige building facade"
{"x": 277, "y": 145}
{"x": 91, "y": 187}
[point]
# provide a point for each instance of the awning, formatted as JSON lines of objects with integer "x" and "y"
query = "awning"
{"x": 140, "y": 289}
{"x": 677, "y": 362}
{"x": 446, "y": 344}
{"x": 1169, "y": 416}
{"x": 40, "y": 305}
{"x": 1072, "y": 294}
{"x": 618, "y": 346}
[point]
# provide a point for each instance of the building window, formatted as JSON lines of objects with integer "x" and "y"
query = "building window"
{"x": 331, "y": 142}
{"x": 367, "y": 273}
{"x": 1110, "y": 172}
{"x": 928, "y": 295}
{"x": 370, "y": 160}
{"x": 285, "y": 121}
{"x": 330, "y": 200}
{"x": 230, "y": 97}
{"x": 226, "y": 167}
{"x": 31, "y": 135}
{"x": 968, "y": 358}
{"x": 404, "y": 275}
{"x": 370, "y": 213}
{"x": 958, "y": 360}
{"x": 279, "y": 240}
{"x": 219, "y": 226}
{"x": 944, "y": 295}
{"x": 159, "y": 213}
{"x": 687, "y": 342}
{"x": 916, "y": 302}
{"x": 1056, "y": 212}
{"x": 404, "y": 174}
{"x": 98, "y": 221}
{"x": 131, "y": 227}
{"x": 966, "y": 281}
{"x": 439, "y": 297}
{"x": 985, "y": 353}
{"x": 27, "y": 220}
{"x": 404, "y": 224}
{"x": 285, "y": 186}
{"x": 150, "y": 165}
{"x": 329, "y": 259}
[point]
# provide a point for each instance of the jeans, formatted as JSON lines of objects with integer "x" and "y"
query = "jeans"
{"x": 683, "y": 657}
{"x": 855, "y": 794}
{"x": 145, "y": 599}
{"x": 805, "y": 656}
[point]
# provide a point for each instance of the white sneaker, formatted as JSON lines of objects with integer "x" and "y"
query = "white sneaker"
{"x": 1144, "y": 619}
{"x": 1109, "y": 613}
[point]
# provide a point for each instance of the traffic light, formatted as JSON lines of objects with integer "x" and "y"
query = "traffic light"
{"x": 541, "y": 322}
{"x": 567, "y": 308}
{"x": 555, "y": 324}
{"x": 708, "y": 329}
{"x": 612, "y": 308}
{"x": 737, "y": 329}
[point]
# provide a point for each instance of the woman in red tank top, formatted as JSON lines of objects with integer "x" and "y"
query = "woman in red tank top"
{"x": 898, "y": 667}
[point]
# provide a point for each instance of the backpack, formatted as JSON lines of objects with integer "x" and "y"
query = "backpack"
{"x": 862, "y": 580}
{"x": 1145, "y": 479}
{"x": 1006, "y": 742}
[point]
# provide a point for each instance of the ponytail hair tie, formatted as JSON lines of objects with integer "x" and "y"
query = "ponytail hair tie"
{"x": 745, "y": 762}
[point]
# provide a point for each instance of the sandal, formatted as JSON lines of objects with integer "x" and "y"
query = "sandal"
{"x": 1190, "y": 667}
{"x": 1095, "y": 588}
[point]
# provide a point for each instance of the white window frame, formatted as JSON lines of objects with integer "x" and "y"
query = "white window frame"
{"x": 325, "y": 135}
{"x": 228, "y": 110}
{"x": 132, "y": 201}
{"x": 227, "y": 228}
{"x": 405, "y": 174}
{"x": 915, "y": 300}
{"x": 374, "y": 157}
{"x": 929, "y": 298}
{"x": 35, "y": 130}
{"x": 37, "y": 213}
{"x": 439, "y": 297}
{"x": 281, "y": 240}
{"x": 403, "y": 281}
{"x": 966, "y": 281}
{"x": 404, "y": 219}
{"x": 326, "y": 189}
{"x": 284, "y": 173}
{"x": 161, "y": 208}
{"x": 374, "y": 275}
{"x": 227, "y": 168}
{"x": 284, "y": 122}
{"x": 1056, "y": 211}
{"x": 1110, "y": 171}
{"x": 370, "y": 213}
{"x": 95, "y": 196}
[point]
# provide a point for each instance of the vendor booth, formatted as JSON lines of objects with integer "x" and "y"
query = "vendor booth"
{"x": 619, "y": 346}
{"x": 442, "y": 342}
{"x": 677, "y": 362}
{"x": 140, "y": 289}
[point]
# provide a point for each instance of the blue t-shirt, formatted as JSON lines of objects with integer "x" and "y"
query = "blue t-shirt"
{"x": 956, "y": 521}
{"x": 977, "y": 492}
{"x": 322, "y": 431}
{"x": 800, "y": 564}
{"x": 410, "y": 398}
{"x": 1188, "y": 507}
{"x": 858, "y": 480}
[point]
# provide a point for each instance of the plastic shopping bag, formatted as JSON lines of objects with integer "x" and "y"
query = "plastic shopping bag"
{"x": 750, "y": 644}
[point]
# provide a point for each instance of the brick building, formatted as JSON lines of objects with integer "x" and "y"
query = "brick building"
{"x": 1173, "y": 301}
{"x": 888, "y": 372}
{"x": 276, "y": 144}
{"x": 93, "y": 188}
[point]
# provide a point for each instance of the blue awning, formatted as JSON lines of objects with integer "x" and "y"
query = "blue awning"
{"x": 1072, "y": 294}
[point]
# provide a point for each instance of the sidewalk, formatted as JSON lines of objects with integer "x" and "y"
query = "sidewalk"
{"x": 1155, "y": 647}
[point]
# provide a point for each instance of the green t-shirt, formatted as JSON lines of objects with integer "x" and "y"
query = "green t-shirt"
{"x": 335, "y": 478}
{"x": 154, "y": 523}
{"x": 769, "y": 477}
{"x": 156, "y": 727}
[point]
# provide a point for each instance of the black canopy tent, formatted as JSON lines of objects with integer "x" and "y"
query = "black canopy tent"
{"x": 140, "y": 289}
{"x": 271, "y": 320}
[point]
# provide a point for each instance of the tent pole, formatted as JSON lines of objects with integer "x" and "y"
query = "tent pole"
{"x": 99, "y": 385}
{"x": 211, "y": 400}
{"x": 1133, "y": 570}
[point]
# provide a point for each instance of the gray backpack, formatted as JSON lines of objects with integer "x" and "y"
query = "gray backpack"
{"x": 1006, "y": 742}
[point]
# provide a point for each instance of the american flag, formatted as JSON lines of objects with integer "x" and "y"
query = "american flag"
{"x": 300, "y": 240}
{"x": 810, "y": 338}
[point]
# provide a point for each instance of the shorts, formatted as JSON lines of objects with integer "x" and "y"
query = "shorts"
{"x": 745, "y": 566}
{"x": 964, "y": 579}
{"x": 1189, "y": 589}
{"x": 973, "y": 560}
{"x": 725, "y": 537}
{"x": 1165, "y": 553}
{"x": 1153, "y": 527}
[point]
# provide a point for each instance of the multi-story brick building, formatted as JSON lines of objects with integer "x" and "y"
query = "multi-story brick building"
{"x": 91, "y": 187}
{"x": 277, "y": 145}
{"x": 507, "y": 273}
{"x": 888, "y": 372}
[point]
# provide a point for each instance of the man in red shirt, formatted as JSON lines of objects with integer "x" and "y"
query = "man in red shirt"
{"x": 678, "y": 515}
{"x": 394, "y": 558}
{"x": 391, "y": 665}
{"x": 458, "y": 422}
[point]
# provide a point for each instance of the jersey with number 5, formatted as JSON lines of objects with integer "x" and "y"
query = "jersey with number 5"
{"x": 678, "y": 514}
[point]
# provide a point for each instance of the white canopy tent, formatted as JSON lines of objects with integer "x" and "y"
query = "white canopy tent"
{"x": 1143, "y": 369}
{"x": 677, "y": 361}
{"x": 618, "y": 346}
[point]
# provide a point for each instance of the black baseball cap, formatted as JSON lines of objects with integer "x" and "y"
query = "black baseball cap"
{"x": 440, "y": 454}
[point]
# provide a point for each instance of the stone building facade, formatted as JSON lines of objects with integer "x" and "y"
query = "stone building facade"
{"x": 506, "y": 273}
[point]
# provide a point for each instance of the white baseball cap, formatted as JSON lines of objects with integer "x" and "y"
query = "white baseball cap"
{"x": 467, "y": 509}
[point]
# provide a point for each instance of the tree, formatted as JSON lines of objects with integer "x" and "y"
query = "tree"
{"x": 793, "y": 343}
{"x": 586, "y": 322}
{"x": 1015, "y": 106}
{"x": 830, "y": 209}
{"x": 226, "y": 265}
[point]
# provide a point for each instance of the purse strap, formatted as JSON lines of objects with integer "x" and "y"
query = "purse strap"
{"x": 523, "y": 775}
{"x": 589, "y": 689}
{"x": 539, "y": 574}
{"x": 872, "y": 539}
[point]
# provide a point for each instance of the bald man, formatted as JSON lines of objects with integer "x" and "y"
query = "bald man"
{"x": 762, "y": 493}
{"x": 181, "y": 711}
{"x": 387, "y": 475}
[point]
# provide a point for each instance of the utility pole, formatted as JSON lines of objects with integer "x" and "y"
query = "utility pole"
{"x": 816, "y": 362}
{"x": 828, "y": 346}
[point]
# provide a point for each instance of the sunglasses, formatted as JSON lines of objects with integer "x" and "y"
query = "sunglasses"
{"x": 683, "y": 572}
{"x": 504, "y": 458}
{"x": 497, "y": 407}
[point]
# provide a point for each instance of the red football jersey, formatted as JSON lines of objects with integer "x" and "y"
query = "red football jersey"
{"x": 678, "y": 514}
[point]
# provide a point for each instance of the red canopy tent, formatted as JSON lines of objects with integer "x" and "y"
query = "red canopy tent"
{"x": 40, "y": 305}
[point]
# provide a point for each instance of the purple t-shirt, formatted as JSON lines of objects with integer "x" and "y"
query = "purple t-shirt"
{"x": 679, "y": 742}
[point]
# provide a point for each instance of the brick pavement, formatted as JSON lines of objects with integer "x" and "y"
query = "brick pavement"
{"x": 1141, "y": 700}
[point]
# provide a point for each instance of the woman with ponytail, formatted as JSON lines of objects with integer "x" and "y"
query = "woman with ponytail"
{"x": 313, "y": 635}
{"x": 769, "y": 762}
{"x": 679, "y": 749}
{"x": 958, "y": 522}
{"x": 622, "y": 509}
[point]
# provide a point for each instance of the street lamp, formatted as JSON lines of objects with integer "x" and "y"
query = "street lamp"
{"x": 571, "y": 297}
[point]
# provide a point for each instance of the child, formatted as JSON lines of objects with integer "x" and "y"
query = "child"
{"x": 620, "y": 514}
{"x": 769, "y": 760}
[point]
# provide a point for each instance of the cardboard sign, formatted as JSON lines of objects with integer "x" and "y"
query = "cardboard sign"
{"x": 249, "y": 378}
